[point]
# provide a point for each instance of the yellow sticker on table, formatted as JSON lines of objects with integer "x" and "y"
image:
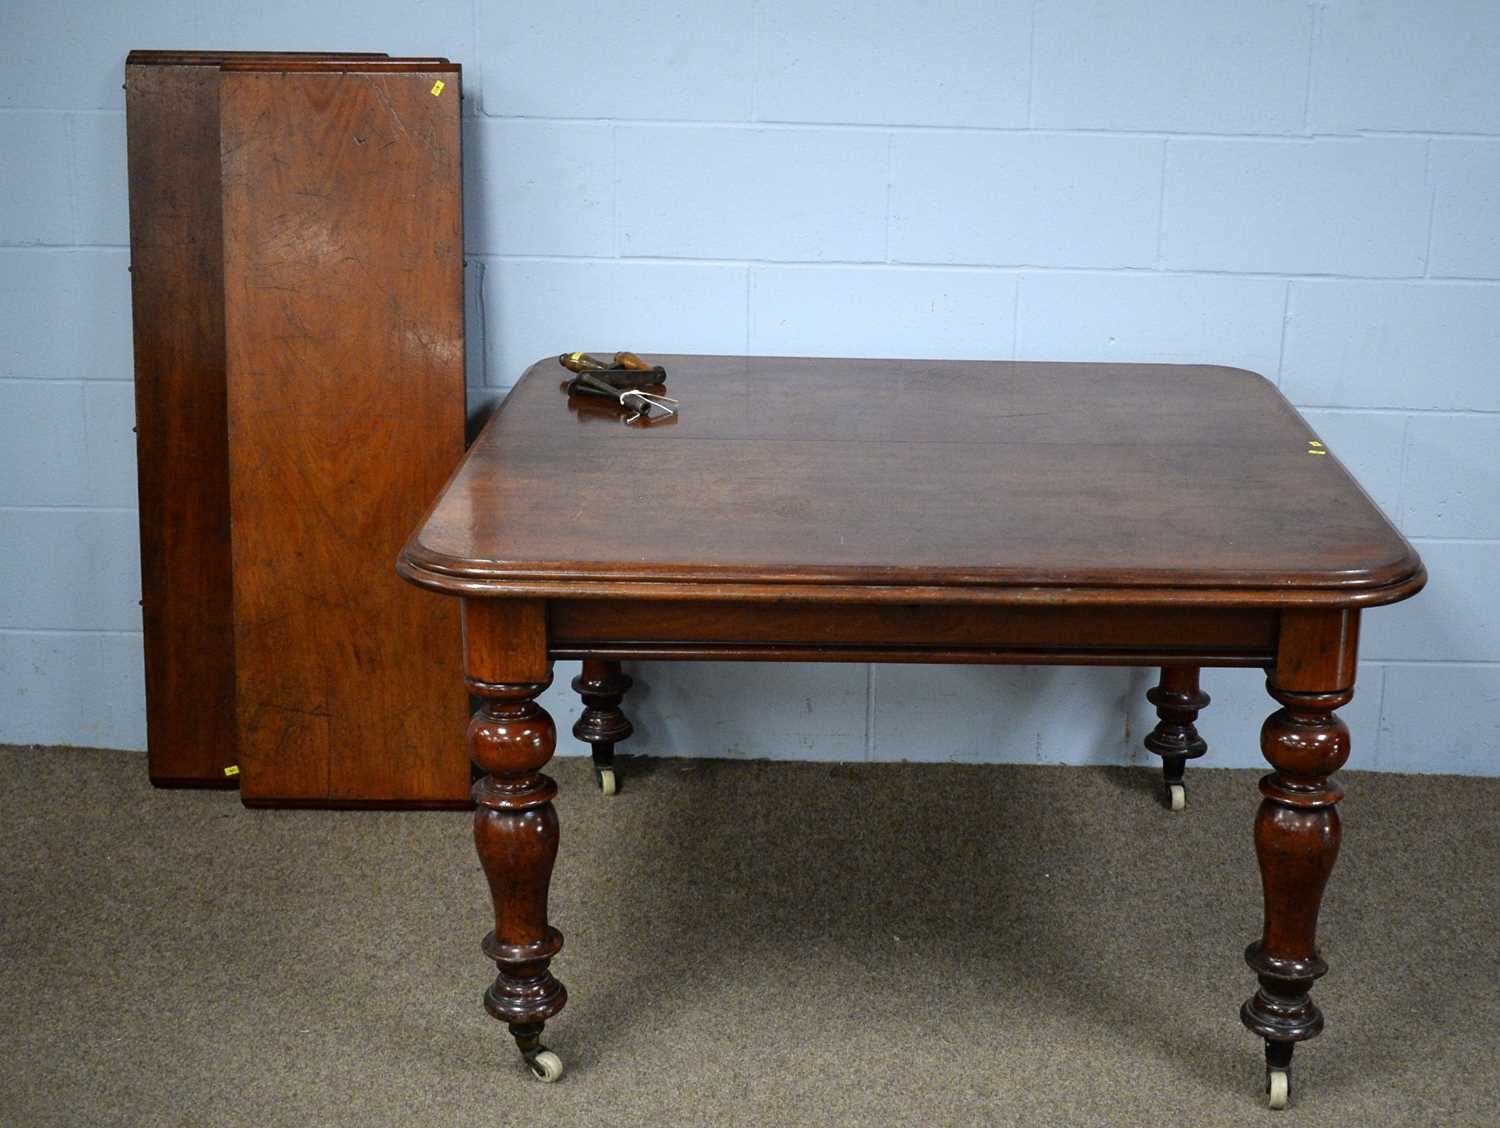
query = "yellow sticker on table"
{"x": 232, "y": 770}
{"x": 437, "y": 88}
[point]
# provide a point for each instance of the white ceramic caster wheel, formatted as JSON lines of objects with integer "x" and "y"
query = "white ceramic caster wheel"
{"x": 1278, "y": 1088}
{"x": 545, "y": 1066}
{"x": 607, "y": 782}
{"x": 1177, "y": 796}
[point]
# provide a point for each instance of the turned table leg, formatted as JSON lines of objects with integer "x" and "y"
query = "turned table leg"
{"x": 602, "y": 725}
{"x": 1296, "y": 843}
{"x": 511, "y": 738}
{"x": 515, "y": 832}
{"x": 1175, "y": 738}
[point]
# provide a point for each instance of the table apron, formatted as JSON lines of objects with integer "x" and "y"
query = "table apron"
{"x": 720, "y": 629}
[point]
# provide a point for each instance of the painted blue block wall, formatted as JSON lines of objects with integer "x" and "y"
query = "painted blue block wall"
{"x": 1308, "y": 188}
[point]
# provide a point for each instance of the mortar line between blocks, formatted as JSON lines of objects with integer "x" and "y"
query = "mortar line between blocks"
{"x": 754, "y": 60}
{"x": 890, "y": 179}
{"x": 477, "y": 98}
{"x": 1431, "y": 209}
{"x": 484, "y": 328}
{"x": 1313, "y": 34}
{"x": 1031, "y": 67}
{"x": 1463, "y": 663}
{"x": 1286, "y": 313}
{"x": 1161, "y": 207}
{"x": 82, "y": 507}
{"x": 914, "y": 265}
{"x": 1401, "y": 477}
{"x": 70, "y": 140}
{"x": 91, "y": 631}
{"x": 614, "y": 190}
{"x": 922, "y": 127}
{"x": 1015, "y": 318}
{"x": 1380, "y": 715}
{"x": 65, "y": 381}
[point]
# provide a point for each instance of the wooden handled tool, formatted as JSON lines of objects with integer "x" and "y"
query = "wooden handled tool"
{"x": 626, "y": 370}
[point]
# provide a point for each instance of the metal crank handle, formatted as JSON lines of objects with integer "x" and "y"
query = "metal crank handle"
{"x": 645, "y": 401}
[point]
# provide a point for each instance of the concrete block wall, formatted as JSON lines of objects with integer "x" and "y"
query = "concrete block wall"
{"x": 1307, "y": 188}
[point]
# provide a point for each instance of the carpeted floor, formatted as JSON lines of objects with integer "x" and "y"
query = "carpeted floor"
{"x": 747, "y": 943}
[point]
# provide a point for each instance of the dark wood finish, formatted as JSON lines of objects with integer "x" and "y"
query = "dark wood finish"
{"x": 586, "y": 624}
{"x": 1178, "y": 701}
{"x": 1017, "y": 656}
{"x": 182, "y": 458}
{"x": 602, "y": 724}
{"x": 927, "y": 511}
{"x": 511, "y": 738}
{"x": 1296, "y": 841}
{"x": 172, "y": 145}
{"x": 1297, "y": 829}
{"x": 343, "y": 277}
{"x": 973, "y": 481}
{"x": 1317, "y": 649}
{"x": 501, "y": 641}
{"x": 214, "y": 59}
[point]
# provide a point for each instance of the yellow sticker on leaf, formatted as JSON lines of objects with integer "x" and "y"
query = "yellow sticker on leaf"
{"x": 437, "y": 88}
{"x": 232, "y": 770}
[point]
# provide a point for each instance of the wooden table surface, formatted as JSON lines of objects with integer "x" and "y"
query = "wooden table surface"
{"x": 942, "y": 473}
{"x": 897, "y": 511}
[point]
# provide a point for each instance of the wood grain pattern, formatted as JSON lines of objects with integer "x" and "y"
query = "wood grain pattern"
{"x": 916, "y": 511}
{"x": 1318, "y": 649}
{"x": 581, "y": 623}
{"x": 505, "y": 641}
{"x": 343, "y": 268}
{"x": 871, "y": 475}
{"x": 1297, "y": 834}
{"x": 511, "y": 738}
{"x": 182, "y": 458}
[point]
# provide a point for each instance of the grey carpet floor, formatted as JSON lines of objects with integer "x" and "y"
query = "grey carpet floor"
{"x": 747, "y": 943}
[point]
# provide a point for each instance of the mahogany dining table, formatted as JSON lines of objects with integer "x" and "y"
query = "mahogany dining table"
{"x": 839, "y": 510}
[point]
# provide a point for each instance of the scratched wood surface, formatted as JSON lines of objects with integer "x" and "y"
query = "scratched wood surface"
{"x": 343, "y": 275}
{"x": 182, "y": 456}
{"x": 979, "y": 480}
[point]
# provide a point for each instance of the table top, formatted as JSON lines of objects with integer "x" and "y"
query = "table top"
{"x": 914, "y": 479}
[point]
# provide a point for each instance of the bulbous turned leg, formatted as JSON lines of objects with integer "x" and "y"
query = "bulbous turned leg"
{"x": 1296, "y": 843}
{"x": 1175, "y": 738}
{"x": 602, "y": 686}
{"x": 515, "y": 831}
